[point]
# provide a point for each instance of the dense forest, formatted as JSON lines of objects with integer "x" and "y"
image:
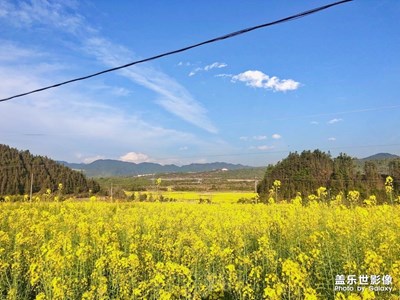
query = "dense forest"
{"x": 17, "y": 168}
{"x": 309, "y": 170}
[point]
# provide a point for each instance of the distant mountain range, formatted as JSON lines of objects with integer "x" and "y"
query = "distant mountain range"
{"x": 381, "y": 156}
{"x": 110, "y": 167}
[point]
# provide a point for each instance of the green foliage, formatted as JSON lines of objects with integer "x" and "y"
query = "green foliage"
{"x": 394, "y": 172}
{"x": 205, "y": 200}
{"x": 308, "y": 171}
{"x": 303, "y": 173}
{"x": 142, "y": 197}
{"x": 17, "y": 167}
{"x": 244, "y": 200}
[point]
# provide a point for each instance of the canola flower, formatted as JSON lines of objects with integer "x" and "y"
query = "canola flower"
{"x": 100, "y": 250}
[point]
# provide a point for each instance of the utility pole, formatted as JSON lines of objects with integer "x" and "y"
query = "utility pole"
{"x": 111, "y": 192}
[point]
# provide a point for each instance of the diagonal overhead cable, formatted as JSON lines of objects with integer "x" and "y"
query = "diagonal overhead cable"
{"x": 223, "y": 37}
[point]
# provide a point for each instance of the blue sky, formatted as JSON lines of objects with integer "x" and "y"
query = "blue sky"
{"x": 328, "y": 81}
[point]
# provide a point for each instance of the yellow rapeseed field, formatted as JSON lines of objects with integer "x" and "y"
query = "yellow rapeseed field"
{"x": 193, "y": 196}
{"x": 101, "y": 250}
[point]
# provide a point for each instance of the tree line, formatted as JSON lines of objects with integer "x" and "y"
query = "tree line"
{"x": 309, "y": 170}
{"x": 17, "y": 168}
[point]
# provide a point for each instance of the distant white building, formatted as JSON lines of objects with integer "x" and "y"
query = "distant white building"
{"x": 224, "y": 169}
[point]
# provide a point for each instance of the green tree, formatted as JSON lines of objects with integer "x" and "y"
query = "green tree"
{"x": 16, "y": 178}
{"x": 302, "y": 173}
{"x": 343, "y": 176}
{"x": 373, "y": 180}
{"x": 394, "y": 172}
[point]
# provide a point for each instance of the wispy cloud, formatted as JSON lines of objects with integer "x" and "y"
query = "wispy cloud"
{"x": 254, "y": 137}
{"x": 215, "y": 65}
{"x": 171, "y": 95}
{"x": 11, "y": 53}
{"x": 335, "y": 120}
{"x": 193, "y": 72}
{"x": 89, "y": 126}
{"x": 259, "y": 137}
{"x": 258, "y": 79}
{"x": 265, "y": 147}
{"x": 29, "y": 13}
{"x": 182, "y": 63}
{"x": 332, "y": 139}
{"x": 314, "y": 123}
{"x": 275, "y": 136}
{"x": 94, "y": 133}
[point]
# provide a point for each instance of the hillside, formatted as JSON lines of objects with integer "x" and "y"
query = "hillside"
{"x": 381, "y": 160}
{"x": 305, "y": 172}
{"x": 109, "y": 168}
{"x": 380, "y": 156}
{"x": 18, "y": 167}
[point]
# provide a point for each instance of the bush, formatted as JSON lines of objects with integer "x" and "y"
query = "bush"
{"x": 245, "y": 200}
{"x": 205, "y": 200}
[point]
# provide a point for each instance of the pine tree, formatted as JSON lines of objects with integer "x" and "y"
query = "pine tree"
{"x": 17, "y": 167}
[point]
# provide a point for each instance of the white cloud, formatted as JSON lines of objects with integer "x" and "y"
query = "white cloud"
{"x": 254, "y": 137}
{"x": 265, "y": 147}
{"x": 332, "y": 139}
{"x": 259, "y": 137}
{"x": 258, "y": 79}
{"x": 184, "y": 148}
{"x": 216, "y": 65}
{"x": 276, "y": 136}
{"x": 314, "y": 123}
{"x": 135, "y": 157}
{"x": 335, "y": 120}
{"x": 193, "y": 72}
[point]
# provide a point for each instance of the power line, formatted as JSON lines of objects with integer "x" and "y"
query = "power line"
{"x": 217, "y": 39}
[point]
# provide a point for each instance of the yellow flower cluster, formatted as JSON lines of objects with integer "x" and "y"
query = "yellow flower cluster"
{"x": 98, "y": 250}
